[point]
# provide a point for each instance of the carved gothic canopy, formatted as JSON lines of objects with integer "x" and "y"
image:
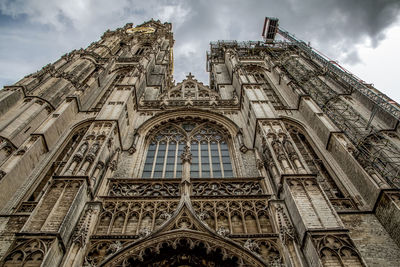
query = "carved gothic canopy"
{"x": 190, "y": 89}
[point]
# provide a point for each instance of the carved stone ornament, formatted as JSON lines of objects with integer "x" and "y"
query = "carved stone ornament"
{"x": 223, "y": 231}
{"x": 243, "y": 148}
{"x": 87, "y": 263}
{"x": 146, "y": 231}
{"x": 116, "y": 246}
{"x": 132, "y": 149}
{"x": 112, "y": 165}
{"x": 81, "y": 232}
{"x": 204, "y": 215}
{"x": 129, "y": 188}
{"x": 93, "y": 152}
{"x": 286, "y": 229}
{"x": 183, "y": 247}
{"x": 186, "y": 155}
{"x": 165, "y": 216}
{"x": 227, "y": 189}
{"x": 252, "y": 246}
{"x": 260, "y": 164}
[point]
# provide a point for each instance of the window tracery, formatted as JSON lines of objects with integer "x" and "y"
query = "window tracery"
{"x": 28, "y": 252}
{"x": 130, "y": 218}
{"x": 227, "y": 188}
{"x": 337, "y": 250}
{"x": 240, "y": 217}
{"x": 208, "y": 146}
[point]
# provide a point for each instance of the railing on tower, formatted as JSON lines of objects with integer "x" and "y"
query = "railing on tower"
{"x": 271, "y": 28}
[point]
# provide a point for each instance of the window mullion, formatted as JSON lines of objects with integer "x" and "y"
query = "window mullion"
{"x": 210, "y": 160}
{"x": 220, "y": 159}
{"x": 176, "y": 158}
{"x": 200, "y": 161}
{"x": 165, "y": 160}
{"x": 154, "y": 160}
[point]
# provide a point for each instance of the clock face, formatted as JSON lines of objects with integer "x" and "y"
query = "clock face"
{"x": 141, "y": 30}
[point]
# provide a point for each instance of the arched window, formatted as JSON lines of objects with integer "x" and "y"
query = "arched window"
{"x": 163, "y": 154}
{"x": 208, "y": 144}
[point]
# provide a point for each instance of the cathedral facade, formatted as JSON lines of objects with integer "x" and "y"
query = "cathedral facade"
{"x": 279, "y": 161}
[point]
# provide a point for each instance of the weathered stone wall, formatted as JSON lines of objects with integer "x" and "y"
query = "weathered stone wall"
{"x": 371, "y": 239}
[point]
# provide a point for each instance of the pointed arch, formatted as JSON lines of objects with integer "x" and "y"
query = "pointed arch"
{"x": 210, "y": 142}
{"x": 187, "y": 242}
{"x": 313, "y": 159}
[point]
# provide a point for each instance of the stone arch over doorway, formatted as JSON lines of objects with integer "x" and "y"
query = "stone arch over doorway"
{"x": 183, "y": 248}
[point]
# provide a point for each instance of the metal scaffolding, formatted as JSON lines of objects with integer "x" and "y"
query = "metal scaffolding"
{"x": 373, "y": 148}
{"x": 381, "y": 100}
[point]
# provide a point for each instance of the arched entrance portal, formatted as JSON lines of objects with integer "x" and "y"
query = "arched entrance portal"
{"x": 183, "y": 248}
{"x": 183, "y": 254}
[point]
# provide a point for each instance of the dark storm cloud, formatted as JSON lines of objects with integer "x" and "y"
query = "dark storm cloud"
{"x": 334, "y": 27}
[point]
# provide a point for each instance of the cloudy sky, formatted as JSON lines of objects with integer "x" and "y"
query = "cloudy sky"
{"x": 362, "y": 35}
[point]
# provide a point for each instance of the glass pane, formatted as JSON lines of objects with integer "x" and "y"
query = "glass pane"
{"x": 161, "y": 154}
{"x": 194, "y": 167}
{"x": 146, "y": 174}
{"x": 204, "y": 146}
{"x": 162, "y": 146}
{"x": 171, "y": 147}
{"x": 217, "y": 174}
{"x": 150, "y": 153}
{"x": 206, "y": 174}
{"x": 228, "y": 173}
{"x": 152, "y": 147}
{"x": 194, "y": 174}
{"x": 214, "y": 153}
{"x": 195, "y": 152}
{"x": 214, "y": 146}
{"x": 169, "y": 174}
{"x": 158, "y": 167}
{"x": 181, "y": 145}
{"x": 226, "y": 160}
{"x": 149, "y": 161}
{"x": 178, "y": 174}
{"x": 227, "y": 167}
{"x": 205, "y": 160}
{"x": 224, "y": 153}
{"x": 157, "y": 174}
{"x": 179, "y": 167}
{"x": 215, "y": 159}
{"x": 148, "y": 167}
{"x": 216, "y": 167}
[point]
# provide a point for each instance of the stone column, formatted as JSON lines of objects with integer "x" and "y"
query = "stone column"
{"x": 186, "y": 158}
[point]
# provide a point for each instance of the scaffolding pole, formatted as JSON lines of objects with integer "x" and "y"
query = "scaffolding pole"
{"x": 381, "y": 100}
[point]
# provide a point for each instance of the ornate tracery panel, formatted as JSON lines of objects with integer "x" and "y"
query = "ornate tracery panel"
{"x": 209, "y": 146}
{"x": 316, "y": 166}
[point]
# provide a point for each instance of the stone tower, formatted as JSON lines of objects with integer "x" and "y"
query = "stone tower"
{"x": 105, "y": 161}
